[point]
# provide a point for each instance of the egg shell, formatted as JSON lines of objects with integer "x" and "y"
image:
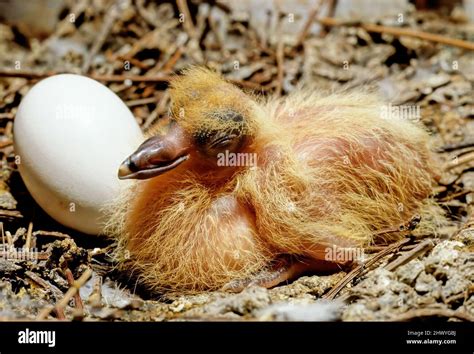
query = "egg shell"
{"x": 71, "y": 133}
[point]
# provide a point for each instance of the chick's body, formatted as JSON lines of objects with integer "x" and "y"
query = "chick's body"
{"x": 329, "y": 171}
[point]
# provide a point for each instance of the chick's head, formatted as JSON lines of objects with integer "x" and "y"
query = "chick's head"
{"x": 208, "y": 116}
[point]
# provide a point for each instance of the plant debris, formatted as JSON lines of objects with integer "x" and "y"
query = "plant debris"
{"x": 135, "y": 47}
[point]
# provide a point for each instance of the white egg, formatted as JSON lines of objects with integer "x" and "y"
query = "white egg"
{"x": 70, "y": 134}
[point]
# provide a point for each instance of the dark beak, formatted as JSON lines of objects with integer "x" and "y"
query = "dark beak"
{"x": 157, "y": 155}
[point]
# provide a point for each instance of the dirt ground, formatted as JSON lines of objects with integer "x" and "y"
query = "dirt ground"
{"x": 431, "y": 276}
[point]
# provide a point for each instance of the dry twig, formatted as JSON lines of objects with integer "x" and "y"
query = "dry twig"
{"x": 95, "y": 298}
{"x": 55, "y": 234}
{"x": 458, "y": 161}
{"x": 77, "y": 296}
{"x": 68, "y": 296}
{"x": 112, "y": 15}
{"x": 311, "y": 17}
{"x": 280, "y": 57}
{"x": 10, "y": 214}
{"x": 420, "y": 249}
{"x": 399, "y": 32}
{"x": 57, "y": 293}
{"x": 20, "y": 255}
{"x": 187, "y": 20}
{"x": 118, "y": 78}
{"x": 364, "y": 266}
{"x": 107, "y": 78}
{"x": 28, "y": 236}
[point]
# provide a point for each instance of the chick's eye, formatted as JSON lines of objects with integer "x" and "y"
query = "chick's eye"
{"x": 216, "y": 142}
{"x": 223, "y": 142}
{"x": 214, "y": 139}
{"x": 226, "y": 134}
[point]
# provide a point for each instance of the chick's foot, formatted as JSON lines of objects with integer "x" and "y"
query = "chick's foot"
{"x": 284, "y": 269}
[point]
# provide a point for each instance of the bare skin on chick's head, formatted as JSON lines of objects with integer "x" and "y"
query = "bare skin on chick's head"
{"x": 329, "y": 173}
